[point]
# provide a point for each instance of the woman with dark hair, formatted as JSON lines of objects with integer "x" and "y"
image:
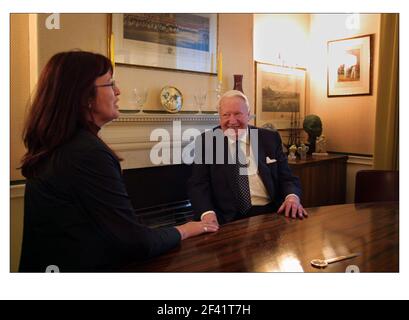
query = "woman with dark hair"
{"x": 77, "y": 213}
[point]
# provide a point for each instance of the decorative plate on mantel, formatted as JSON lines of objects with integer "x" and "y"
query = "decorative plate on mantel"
{"x": 171, "y": 99}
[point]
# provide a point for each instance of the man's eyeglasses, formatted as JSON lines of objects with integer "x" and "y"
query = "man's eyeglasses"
{"x": 111, "y": 84}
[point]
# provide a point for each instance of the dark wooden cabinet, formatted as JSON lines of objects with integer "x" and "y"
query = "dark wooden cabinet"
{"x": 323, "y": 179}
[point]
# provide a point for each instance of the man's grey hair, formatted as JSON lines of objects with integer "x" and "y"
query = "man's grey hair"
{"x": 234, "y": 93}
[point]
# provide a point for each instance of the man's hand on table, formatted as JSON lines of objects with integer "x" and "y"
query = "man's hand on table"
{"x": 292, "y": 208}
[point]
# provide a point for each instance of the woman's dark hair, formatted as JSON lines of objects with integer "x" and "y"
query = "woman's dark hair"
{"x": 61, "y": 104}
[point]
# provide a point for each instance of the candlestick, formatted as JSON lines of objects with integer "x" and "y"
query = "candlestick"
{"x": 112, "y": 50}
{"x": 220, "y": 68}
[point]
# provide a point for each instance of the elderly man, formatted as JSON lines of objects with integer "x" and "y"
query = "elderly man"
{"x": 225, "y": 191}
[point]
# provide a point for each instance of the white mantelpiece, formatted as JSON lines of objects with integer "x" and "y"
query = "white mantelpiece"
{"x": 159, "y": 117}
{"x": 129, "y": 135}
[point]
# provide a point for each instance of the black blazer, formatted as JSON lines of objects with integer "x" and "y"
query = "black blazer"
{"x": 78, "y": 216}
{"x": 211, "y": 185}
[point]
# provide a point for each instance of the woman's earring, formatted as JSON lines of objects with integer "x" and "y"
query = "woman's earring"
{"x": 89, "y": 106}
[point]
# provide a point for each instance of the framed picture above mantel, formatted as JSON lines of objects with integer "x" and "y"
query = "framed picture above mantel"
{"x": 173, "y": 41}
{"x": 350, "y": 66}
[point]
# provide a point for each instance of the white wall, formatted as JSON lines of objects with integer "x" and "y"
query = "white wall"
{"x": 282, "y": 38}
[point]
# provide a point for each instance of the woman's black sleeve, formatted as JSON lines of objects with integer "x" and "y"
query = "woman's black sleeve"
{"x": 97, "y": 183}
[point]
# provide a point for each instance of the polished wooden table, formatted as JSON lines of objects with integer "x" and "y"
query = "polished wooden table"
{"x": 271, "y": 242}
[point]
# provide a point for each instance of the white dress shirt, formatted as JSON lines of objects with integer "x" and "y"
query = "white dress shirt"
{"x": 258, "y": 192}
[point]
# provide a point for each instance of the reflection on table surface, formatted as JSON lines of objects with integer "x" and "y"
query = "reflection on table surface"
{"x": 273, "y": 243}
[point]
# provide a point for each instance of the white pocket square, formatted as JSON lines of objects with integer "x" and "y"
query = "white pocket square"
{"x": 268, "y": 160}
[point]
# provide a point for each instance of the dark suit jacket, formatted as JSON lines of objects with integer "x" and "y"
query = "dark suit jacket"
{"x": 211, "y": 185}
{"x": 78, "y": 215}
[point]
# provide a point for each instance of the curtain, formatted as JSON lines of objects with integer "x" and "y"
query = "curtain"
{"x": 386, "y": 151}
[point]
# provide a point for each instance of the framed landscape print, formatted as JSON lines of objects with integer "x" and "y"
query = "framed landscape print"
{"x": 177, "y": 41}
{"x": 349, "y": 67}
{"x": 280, "y": 96}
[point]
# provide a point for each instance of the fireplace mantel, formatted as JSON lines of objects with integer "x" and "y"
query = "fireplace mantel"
{"x": 159, "y": 117}
{"x": 130, "y": 134}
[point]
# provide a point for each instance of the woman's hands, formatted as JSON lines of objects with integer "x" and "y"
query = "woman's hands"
{"x": 195, "y": 228}
{"x": 210, "y": 218}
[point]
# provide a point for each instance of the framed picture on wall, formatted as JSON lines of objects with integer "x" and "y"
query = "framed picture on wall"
{"x": 349, "y": 67}
{"x": 280, "y": 96}
{"x": 176, "y": 41}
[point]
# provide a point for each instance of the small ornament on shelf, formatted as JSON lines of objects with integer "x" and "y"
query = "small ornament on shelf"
{"x": 292, "y": 150}
{"x": 238, "y": 82}
{"x": 302, "y": 151}
{"x": 140, "y": 95}
{"x": 320, "y": 146}
{"x": 200, "y": 100}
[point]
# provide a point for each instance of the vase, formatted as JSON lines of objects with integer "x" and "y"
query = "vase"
{"x": 238, "y": 82}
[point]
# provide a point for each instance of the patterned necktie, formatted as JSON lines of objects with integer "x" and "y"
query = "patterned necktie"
{"x": 243, "y": 189}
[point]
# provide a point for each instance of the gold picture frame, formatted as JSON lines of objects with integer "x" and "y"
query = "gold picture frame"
{"x": 169, "y": 41}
